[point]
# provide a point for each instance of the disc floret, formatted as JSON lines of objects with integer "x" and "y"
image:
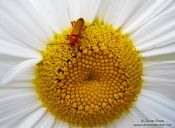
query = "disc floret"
{"x": 93, "y": 82}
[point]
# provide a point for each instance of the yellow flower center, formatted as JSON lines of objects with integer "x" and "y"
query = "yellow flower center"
{"x": 93, "y": 82}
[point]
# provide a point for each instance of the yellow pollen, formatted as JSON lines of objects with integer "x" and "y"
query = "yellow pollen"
{"x": 92, "y": 83}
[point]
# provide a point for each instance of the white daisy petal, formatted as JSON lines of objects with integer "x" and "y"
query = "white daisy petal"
{"x": 160, "y": 41}
{"x": 130, "y": 15}
{"x": 165, "y": 87}
{"x": 47, "y": 121}
{"x": 148, "y": 112}
{"x": 128, "y": 120}
{"x": 8, "y": 62}
{"x": 5, "y": 36}
{"x": 22, "y": 17}
{"x": 160, "y": 58}
{"x": 11, "y": 49}
{"x": 7, "y": 92}
{"x": 12, "y": 120}
{"x": 30, "y": 120}
{"x": 4, "y": 67}
{"x": 28, "y": 75}
{"x": 156, "y": 106}
{"x": 16, "y": 88}
{"x": 18, "y": 84}
{"x": 153, "y": 110}
{"x": 158, "y": 81}
{"x": 159, "y": 98}
{"x": 11, "y": 105}
{"x": 85, "y": 9}
{"x": 116, "y": 12}
{"x": 164, "y": 70}
{"x": 61, "y": 124}
{"x": 152, "y": 36}
{"x": 74, "y": 10}
{"x": 161, "y": 74}
{"x": 158, "y": 65}
{"x": 160, "y": 23}
{"x": 143, "y": 12}
{"x": 171, "y": 5}
{"x": 124, "y": 122}
{"x": 55, "y": 13}
{"x": 159, "y": 77}
{"x": 136, "y": 115}
{"x": 160, "y": 51}
{"x": 17, "y": 70}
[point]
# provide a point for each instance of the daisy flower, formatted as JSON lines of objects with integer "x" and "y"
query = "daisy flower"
{"x": 113, "y": 67}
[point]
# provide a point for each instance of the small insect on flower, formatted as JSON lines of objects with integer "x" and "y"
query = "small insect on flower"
{"x": 78, "y": 27}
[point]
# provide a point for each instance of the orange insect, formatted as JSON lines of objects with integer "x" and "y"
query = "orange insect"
{"x": 78, "y": 27}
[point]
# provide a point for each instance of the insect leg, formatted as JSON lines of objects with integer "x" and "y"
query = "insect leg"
{"x": 73, "y": 23}
{"x": 84, "y": 27}
{"x": 67, "y": 37}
